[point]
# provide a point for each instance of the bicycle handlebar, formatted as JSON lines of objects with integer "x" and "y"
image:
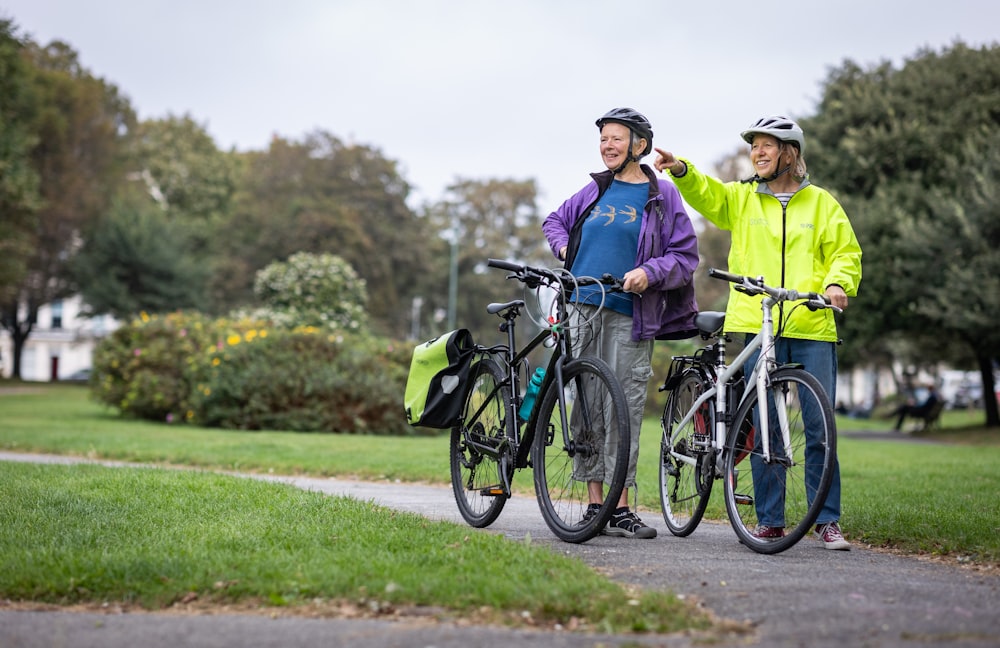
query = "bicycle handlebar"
{"x": 756, "y": 286}
{"x": 505, "y": 265}
{"x": 530, "y": 274}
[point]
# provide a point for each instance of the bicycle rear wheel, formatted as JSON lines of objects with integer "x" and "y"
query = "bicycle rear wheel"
{"x": 479, "y": 452}
{"x": 687, "y": 462}
{"x": 787, "y": 493}
{"x": 598, "y": 432}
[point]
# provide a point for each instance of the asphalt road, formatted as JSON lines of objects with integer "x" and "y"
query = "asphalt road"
{"x": 806, "y": 596}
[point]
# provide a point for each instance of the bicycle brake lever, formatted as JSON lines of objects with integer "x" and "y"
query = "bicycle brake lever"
{"x": 612, "y": 281}
{"x": 813, "y": 305}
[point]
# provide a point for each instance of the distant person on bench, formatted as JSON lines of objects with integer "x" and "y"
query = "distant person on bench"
{"x": 917, "y": 411}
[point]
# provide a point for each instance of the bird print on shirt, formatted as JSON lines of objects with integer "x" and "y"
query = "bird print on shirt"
{"x": 612, "y": 212}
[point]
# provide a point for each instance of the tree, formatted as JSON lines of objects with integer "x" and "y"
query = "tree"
{"x": 135, "y": 259}
{"x": 486, "y": 219}
{"x": 184, "y": 172}
{"x": 322, "y": 195}
{"x": 153, "y": 250}
{"x": 912, "y": 153}
{"x": 78, "y": 129}
{"x": 18, "y": 180}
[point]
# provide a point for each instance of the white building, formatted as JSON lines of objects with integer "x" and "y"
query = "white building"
{"x": 60, "y": 344}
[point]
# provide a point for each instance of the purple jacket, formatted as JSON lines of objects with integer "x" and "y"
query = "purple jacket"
{"x": 668, "y": 252}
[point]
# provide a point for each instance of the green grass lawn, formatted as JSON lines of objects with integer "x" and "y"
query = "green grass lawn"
{"x": 225, "y": 538}
{"x": 153, "y": 537}
{"x": 934, "y": 497}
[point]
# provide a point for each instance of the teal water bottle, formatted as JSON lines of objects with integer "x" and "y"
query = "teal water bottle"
{"x": 531, "y": 393}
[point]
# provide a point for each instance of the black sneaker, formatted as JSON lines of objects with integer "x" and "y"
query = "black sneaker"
{"x": 626, "y": 524}
{"x": 589, "y": 514}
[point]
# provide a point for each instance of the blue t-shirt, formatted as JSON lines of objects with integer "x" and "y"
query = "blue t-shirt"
{"x": 609, "y": 241}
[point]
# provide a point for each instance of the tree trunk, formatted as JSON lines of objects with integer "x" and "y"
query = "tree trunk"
{"x": 989, "y": 390}
{"x": 19, "y": 332}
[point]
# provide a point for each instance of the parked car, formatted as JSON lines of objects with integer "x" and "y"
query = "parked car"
{"x": 80, "y": 376}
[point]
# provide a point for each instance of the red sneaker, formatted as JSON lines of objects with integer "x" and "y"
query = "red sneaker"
{"x": 831, "y": 536}
{"x": 768, "y": 532}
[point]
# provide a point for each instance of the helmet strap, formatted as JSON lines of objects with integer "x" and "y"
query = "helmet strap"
{"x": 628, "y": 158}
{"x": 774, "y": 176}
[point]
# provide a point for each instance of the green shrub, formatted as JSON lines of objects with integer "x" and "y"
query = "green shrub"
{"x": 243, "y": 374}
{"x": 143, "y": 368}
{"x": 313, "y": 290}
{"x": 305, "y": 380}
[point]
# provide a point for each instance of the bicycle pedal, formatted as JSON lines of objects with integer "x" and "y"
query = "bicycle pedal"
{"x": 492, "y": 491}
{"x": 740, "y": 498}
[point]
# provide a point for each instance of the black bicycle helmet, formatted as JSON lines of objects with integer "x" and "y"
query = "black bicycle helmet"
{"x": 782, "y": 128}
{"x": 635, "y": 121}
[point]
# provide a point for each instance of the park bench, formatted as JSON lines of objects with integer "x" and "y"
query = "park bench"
{"x": 929, "y": 419}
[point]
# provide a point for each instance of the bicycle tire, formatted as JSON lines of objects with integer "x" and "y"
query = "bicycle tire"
{"x": 813, "y": 453}
{"x": 686, "y": 487}
{"x": 477, "y": 478}
{"x": 599, "y": 425}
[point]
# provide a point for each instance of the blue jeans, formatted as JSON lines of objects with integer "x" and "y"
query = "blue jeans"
{"x": 820, "y": 360}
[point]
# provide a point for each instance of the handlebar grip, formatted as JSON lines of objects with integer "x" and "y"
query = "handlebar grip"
{"x": 505, "y": 265}
{"x": 715, "y": 273}
{"x": 813, "y": 299}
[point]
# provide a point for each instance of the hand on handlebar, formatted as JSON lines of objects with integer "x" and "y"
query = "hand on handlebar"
{"x": 836, "y": 295}
{"x": 635, "y": 281}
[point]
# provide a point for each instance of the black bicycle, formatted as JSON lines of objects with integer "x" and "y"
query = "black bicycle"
{"x": 579, "y": 417}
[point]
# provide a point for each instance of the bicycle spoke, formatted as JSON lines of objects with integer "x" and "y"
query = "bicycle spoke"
{"x": 685, "y": 484}
{"x": 480, "y": 468}
{"x": 565, "y": 460}
{"x": 788, "y": 491}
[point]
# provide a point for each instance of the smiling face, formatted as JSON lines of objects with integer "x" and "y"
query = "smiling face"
{"x": 615, "y": 139}
{"x": 767, "y": 155}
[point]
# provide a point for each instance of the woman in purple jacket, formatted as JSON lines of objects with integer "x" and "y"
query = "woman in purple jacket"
{"x": 631, "y": 224}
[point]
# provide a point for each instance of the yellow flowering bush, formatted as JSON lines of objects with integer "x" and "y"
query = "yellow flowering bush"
{"x": 245, "y": 373}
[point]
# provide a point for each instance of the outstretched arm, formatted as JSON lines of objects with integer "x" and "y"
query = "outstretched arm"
{"x": 666, "y": 160}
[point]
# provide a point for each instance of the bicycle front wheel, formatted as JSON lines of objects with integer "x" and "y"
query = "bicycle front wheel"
{"x": 479, "y": 452}
{"x": 787, "y": 492}
{"x": 687, "y": 462}
{"x": 595, "y": 447}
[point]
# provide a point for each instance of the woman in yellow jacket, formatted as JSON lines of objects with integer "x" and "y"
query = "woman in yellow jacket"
{"x": 796, "y": 235}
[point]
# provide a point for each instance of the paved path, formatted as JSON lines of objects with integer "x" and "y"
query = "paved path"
{"x": 806, "y": 596}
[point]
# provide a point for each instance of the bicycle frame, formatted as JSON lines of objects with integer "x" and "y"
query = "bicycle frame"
{"x": 720, "y": 391}
{"x": 512, "y": 360}
{"x": 789, "y": 474}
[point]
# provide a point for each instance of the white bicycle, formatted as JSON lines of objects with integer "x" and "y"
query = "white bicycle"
{"x": 776, "y": 461}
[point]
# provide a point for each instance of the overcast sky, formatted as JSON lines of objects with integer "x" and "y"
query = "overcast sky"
{"x": 502, "y": 89}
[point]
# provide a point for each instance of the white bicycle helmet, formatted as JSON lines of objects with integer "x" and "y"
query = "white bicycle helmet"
{"x": 782, "y": 128}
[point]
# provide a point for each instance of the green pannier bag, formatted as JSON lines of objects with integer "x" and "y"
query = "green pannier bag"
{"x": 438, "y": 380}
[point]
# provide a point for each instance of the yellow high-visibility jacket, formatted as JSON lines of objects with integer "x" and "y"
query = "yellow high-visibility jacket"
{"x": 807, "y": 246}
